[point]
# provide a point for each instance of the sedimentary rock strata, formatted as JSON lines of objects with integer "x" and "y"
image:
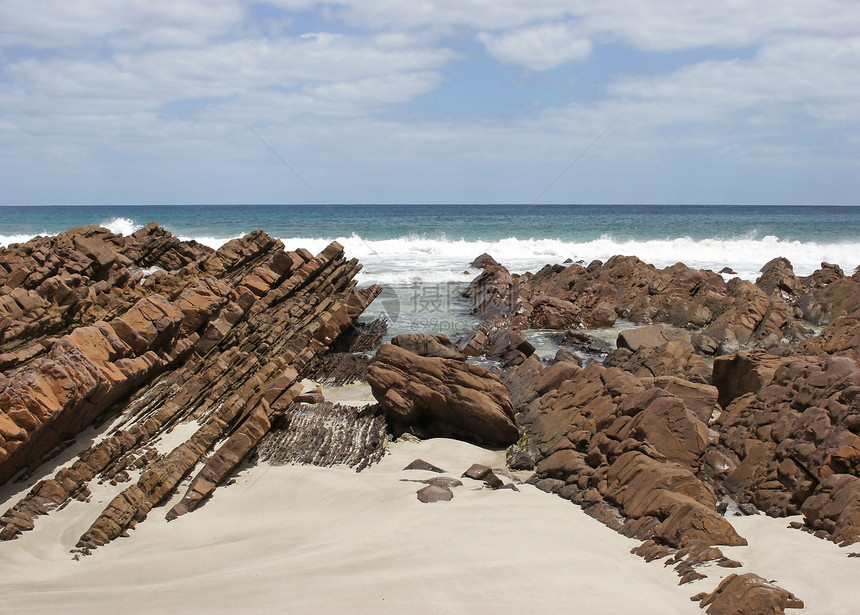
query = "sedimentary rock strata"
{"x": 219, "y": 343}
{"x": 325, "y": 434}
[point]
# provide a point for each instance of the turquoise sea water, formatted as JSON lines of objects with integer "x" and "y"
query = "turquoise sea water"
{"x": 434, "y": 243}
{"x": 421, "y": 253}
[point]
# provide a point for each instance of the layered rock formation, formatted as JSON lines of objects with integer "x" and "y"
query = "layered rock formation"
{"x": 218, "y": 344}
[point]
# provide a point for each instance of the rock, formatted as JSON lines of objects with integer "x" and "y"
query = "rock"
{"x": 314, "y": 396}
{"x": 435, "y": 493}
{"x": 728, "y": 271}
{"x": 427, "y": 345}
{"x": 670, "y": 359}
{"x": 748, "y": 594}
{"x": 835, "y": 508}
{"x": 325, "y": 434}
{"x": 563, "y": 354}
{"x": 607, "y": 440}
{"x": 217, "y": 344}
{"x": 742, "y": 373}
{"x": 588, "y": 344}
{"x": 777, "y": 278}
{"x": 420, "y": 464}
{"x": 653, "y": 336}
{"x": 442, "y": 481}
{"x": 425, "y": 390}
{"x": 485, "y": 474}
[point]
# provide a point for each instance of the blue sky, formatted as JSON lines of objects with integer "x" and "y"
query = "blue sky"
{"x": 381, "y": 101}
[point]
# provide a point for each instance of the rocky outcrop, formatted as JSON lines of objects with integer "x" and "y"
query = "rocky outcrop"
{"x": 442, "y": 394}
{"x": 628, "y": 451}
{"x": 831, "y": 295}
{"x": 230, "y": 336}
{"x": 50, "y": 285}
{"x": 791, "y": 431}
{"x": 728, "y": 316}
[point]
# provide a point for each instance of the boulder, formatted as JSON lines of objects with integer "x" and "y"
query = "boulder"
{"x": 653, "y": 336}
{"x": 428, "y": 345}
{"x": 748, "y": 594}
{"x": 466, "y": 398}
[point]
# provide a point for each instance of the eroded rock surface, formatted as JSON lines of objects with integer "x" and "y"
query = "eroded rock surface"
{"x": 219, "y": 342}
{"x": 420, "y": 391}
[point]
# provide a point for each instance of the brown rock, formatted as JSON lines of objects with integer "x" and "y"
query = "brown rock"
{"x": 435, "y": 493}
{"x": 748, "y": 594}
{"x": 427, "y": 345}
{"x": 467, "y": 398}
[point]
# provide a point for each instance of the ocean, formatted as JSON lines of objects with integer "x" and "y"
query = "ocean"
{"x": 421, "y": 253}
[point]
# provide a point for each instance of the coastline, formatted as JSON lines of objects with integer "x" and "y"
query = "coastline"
{"x": 644, "y": 436}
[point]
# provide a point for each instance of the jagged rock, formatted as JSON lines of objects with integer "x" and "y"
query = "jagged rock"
{"x": 673, "y": 358}
{"x": 834, "y": 507}
{"x": 748, "y": 594}
{"x": 840, "y": 337}
{"x": 732, "y": 314}
{"x": 830, "y": 295}
{"x": 610, "y": 440}
{"x": 585, "y": 343}
{"x": 428, "y": 345}
{"x": 228, "y": 334}
{"x": 793, "y": 434}
{"x": 777, "y": 278}
{"x": 466, "y": 398}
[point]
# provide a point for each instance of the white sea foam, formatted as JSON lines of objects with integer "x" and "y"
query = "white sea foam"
{"x": 409, "y": 260}
{"x": 7, "y": 240}
{"x": 121, "y": 226}
{"x": 422, "y": 260}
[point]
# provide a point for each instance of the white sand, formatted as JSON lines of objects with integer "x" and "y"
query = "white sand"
{"x": 327, "y": 540}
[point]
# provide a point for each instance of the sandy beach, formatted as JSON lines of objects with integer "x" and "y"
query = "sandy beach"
{"x": 303, "y": 539}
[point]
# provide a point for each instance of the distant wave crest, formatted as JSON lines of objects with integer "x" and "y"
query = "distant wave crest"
{"x": 416, "y": 259}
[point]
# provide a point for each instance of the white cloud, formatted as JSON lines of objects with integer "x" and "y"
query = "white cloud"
{"x": 144, "y": 89}
{"x": 538, "y": 48}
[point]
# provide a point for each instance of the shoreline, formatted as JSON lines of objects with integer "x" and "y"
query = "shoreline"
{"x": 707, "y": 400}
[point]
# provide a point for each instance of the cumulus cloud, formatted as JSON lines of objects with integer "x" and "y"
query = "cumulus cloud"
{"x": 538, "y": 48}
{"x": 383, "y": 95}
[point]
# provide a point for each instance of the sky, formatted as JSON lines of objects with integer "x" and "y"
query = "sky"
{"x": 430, "y": 101}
